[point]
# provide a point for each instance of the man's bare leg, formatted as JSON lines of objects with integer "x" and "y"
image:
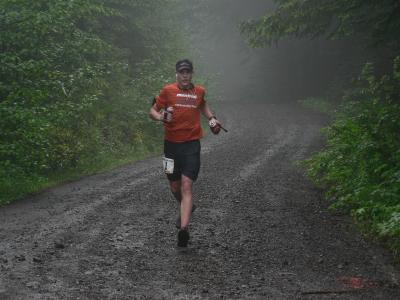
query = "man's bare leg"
{"x": 187, "y": 201}
{"x": 176, "y": 189}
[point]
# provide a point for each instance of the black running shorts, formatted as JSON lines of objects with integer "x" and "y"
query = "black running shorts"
{"x": 186, "y": 158}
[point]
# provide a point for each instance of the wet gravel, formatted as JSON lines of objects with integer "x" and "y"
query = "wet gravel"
{"x": 261, "y": 229}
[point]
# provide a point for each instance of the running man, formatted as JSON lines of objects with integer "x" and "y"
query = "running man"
{"x": 179, "y": 105}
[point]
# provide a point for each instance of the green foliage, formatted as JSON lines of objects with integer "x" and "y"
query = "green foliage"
{"x": 361, "y": 164}
{"x": 379, "y": 21}
{"x": 75, "y": 82}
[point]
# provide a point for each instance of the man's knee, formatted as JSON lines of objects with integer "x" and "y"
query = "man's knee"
{"x": 187, "y": 184}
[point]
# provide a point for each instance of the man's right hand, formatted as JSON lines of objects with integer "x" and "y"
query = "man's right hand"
{"x": 158, "y": 115}
{"x": 167, "y": 114}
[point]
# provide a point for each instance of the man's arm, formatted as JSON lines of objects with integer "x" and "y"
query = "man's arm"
{"x": 206, "y": 111}
{"x": 155, "y": 113}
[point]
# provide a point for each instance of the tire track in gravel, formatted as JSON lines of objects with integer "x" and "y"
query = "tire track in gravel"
{"x": 75, "y": 206}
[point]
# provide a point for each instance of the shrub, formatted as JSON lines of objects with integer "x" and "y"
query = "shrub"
{"x": 361, "y": 165}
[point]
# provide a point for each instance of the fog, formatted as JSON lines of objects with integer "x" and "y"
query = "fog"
{"x": 289, "y": 71}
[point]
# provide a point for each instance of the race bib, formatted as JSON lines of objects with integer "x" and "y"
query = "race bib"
{"x": 168, "y": 165}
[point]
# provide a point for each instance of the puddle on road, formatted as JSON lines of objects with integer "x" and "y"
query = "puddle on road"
{"x": 359, "y": 282}
{"x": 348, "y": 285}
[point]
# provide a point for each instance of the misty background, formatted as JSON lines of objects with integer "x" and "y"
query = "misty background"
{"x": 288, "y": 71}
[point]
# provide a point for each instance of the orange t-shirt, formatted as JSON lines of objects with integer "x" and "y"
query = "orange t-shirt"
{"x": 185, "y": 125}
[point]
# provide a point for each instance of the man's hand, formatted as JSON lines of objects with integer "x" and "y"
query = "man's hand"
{"x": 167, "y": 114}
{"x": 163, "y": 116}
{"x": 215, "y": 125}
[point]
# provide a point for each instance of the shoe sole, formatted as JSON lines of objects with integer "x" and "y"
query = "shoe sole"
{"x": 183, "y": 238}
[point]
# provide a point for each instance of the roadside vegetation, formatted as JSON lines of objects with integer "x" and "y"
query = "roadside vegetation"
{"x": 77, "y": 81}
{"x": 360, "y": 166}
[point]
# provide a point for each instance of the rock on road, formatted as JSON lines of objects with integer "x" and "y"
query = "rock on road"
{"x": 261, "y": 230}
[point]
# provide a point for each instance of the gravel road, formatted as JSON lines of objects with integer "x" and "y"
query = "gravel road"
{"x": 261, "y": 230}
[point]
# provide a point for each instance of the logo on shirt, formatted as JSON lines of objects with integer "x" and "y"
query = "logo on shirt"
{"x": 186, "y": 100}
{"x": 187, "y": 96}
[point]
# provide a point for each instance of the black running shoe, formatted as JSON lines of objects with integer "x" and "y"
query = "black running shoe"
{"x": 178, "y": 219}
{"x": 183, "y": 238}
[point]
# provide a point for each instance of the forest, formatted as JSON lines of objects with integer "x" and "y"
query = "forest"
{"x": 77, "y": 79}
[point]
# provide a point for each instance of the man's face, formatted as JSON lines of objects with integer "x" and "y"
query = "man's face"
{"x": 184, "y": 78}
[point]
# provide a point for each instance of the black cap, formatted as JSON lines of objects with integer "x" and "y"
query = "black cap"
{"x": 184, "y": 64}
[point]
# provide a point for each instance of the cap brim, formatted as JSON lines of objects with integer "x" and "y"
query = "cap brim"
{"x": 184, "y": 68}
